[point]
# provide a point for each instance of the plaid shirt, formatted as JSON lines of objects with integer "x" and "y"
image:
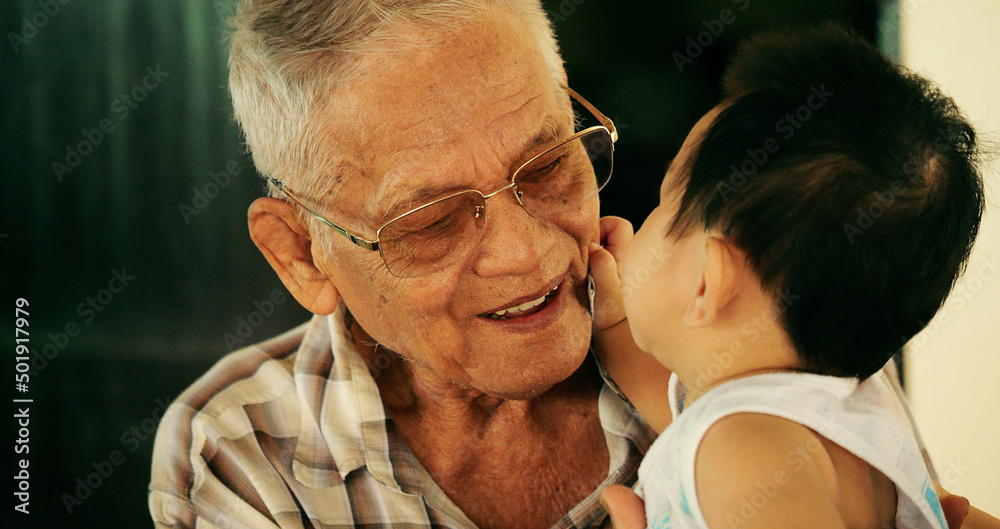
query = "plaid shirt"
{"x": 292, "y": 433}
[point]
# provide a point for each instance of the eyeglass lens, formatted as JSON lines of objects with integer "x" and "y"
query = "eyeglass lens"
{"x": 440, "y": 234}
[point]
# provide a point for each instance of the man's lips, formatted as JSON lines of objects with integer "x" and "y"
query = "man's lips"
{"x": 525, "y": 305}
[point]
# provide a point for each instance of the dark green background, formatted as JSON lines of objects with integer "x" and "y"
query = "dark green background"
{"x": 195, "y": 277}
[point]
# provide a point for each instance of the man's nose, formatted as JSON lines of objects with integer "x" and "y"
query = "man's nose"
{"x": 513, "y": 241}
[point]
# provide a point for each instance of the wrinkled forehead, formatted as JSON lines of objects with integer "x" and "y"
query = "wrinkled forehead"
{"x": 456, "y": 114}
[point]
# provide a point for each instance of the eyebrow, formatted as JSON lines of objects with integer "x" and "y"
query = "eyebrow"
{"x": 550, "y": 129}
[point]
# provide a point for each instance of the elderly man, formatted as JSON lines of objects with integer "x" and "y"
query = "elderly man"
{"x": 445, "y": 379}
{"x": 432, "y": 205}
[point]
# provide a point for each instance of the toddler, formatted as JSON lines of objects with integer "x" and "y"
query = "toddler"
{"x": 810, "y": 225}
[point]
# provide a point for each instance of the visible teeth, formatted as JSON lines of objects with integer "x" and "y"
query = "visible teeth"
{"x": 523, "y": 306}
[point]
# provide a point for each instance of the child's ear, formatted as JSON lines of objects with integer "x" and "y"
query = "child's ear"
{"x": 718, "y": 284}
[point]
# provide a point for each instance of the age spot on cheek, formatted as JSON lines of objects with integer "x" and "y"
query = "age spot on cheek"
{"x": 383, "y": 298}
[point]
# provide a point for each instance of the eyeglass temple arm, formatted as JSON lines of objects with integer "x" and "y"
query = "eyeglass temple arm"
{"x": 606, "y": 121}
{"x": 359, "y": 241}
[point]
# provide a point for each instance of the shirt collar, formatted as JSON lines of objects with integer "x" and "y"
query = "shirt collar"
{"x": 342, "y": 412}
{"x": 344, "y": 417}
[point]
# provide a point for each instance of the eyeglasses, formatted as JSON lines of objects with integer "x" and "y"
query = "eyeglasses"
{"x": 436, "y": 235}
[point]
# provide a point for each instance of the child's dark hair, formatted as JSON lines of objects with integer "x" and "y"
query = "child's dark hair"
{"x": 851, "y": 184}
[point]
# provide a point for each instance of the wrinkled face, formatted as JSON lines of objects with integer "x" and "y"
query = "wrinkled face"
{"x": 463, "y": 115}
{"x": 660, "y": 273}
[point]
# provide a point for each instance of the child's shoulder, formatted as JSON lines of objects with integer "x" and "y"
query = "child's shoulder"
{"x": 761, "y": 446}
{"x": 779, "y": 467}
{"x": 769, "y": 471}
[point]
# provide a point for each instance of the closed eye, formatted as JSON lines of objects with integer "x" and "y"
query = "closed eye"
{"x": 544, "y": 171}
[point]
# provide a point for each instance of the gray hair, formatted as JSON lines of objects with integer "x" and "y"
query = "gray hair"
{"x": 285, "y": 54}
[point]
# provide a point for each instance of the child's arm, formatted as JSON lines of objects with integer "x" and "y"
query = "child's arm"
{"x": 760, "y": 471}
{"x": 638, "y": 374}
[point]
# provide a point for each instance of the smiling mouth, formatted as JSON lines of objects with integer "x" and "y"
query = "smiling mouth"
{"x": 524, "y": 309}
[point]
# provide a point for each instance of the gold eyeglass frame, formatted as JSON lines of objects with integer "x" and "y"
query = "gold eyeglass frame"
{"x": 374, "y": 244}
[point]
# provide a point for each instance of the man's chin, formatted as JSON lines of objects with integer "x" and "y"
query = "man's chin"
{"x": 521, "y": 363}
{"x": 526, "y": 378}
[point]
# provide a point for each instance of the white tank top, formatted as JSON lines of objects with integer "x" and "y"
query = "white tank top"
{"x": 866, "y": 419}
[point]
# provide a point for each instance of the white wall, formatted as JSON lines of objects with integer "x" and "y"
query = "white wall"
{"x": 953, "y": 367}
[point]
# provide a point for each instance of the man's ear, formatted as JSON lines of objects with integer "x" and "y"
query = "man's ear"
{"x": 285, "y": 243}
{"x": 718, "y": 283}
